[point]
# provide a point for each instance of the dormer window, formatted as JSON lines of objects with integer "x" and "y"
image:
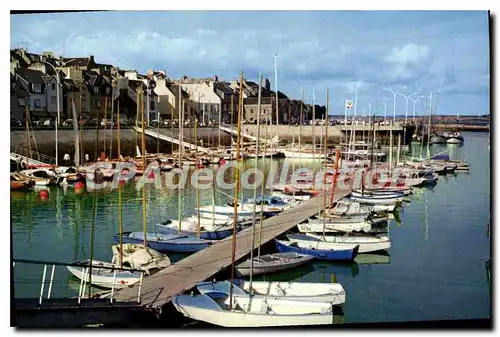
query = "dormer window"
{"x": 37, "y": 88}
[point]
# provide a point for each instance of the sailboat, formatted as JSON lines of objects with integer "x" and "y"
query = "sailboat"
{"x": 234, "y": 309}
{"x": 332, "y": 293}
{"x": 136, "y": 257}
{"x": 366, "y": 244}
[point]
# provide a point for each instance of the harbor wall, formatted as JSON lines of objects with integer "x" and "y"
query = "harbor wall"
{"x": 45, "y": 141}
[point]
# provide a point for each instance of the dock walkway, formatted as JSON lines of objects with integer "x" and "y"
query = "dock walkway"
{"x": 234, "y": 131}
{"x": 169, "y": 137}
{"x": 158, "y": 289}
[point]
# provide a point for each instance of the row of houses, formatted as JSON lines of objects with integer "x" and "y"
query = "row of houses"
{"x": 96, "y": 89}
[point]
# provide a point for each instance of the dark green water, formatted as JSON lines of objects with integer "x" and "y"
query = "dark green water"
{"x": 436, "y": 268}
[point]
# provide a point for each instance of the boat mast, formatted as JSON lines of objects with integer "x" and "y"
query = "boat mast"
{"x": 97, "y": 135}
{"x": 238, "y": 160}
{"x": 181, "y": 127}
{"x": 300, "y": 126}
{"x": 143, "y": 141}
{"x": 314, "y": 138}
{"x": 325, "y": 164}
{"x": 197, "y": 187}
{"x": 263, "y": 184}
{"x": 334, "y": 181}
{"x": 429, "y": 127}
{"x": 77, "y": 136}
{"x": 277, "y": 99}
{"x": 255, "y": 185}
{"x": 28, "y": 143}
{"x": 120, "y": 211}
{"x": 105, "y": 123}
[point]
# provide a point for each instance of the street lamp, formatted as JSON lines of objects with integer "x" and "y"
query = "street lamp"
{"x": 58, "y": 105}
{"x": 414, "y": 105}
{"x": 407, "y": 97}
{"x": 394, "y": 95}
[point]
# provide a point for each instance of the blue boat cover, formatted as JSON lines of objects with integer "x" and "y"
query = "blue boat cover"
{"x": 441, "y": 157}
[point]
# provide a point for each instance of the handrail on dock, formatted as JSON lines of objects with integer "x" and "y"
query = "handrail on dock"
{"x": 24, "y": 152}
{"x": 83, "y": 285}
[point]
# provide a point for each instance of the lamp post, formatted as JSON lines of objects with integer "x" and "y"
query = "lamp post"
{"x": 394, "y": 119}
{"x": 58, "y": 105}
{"x": 407, "y": 97}
{"x": 394, "y": 95}
{"x": 414, "y": 105}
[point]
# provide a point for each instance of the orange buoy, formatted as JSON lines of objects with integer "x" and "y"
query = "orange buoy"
{"x": 43, "y": 194}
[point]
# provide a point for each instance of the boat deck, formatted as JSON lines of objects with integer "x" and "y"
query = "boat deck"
{"x": 158, "y": 289}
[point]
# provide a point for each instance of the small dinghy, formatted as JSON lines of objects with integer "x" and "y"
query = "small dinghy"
{"x": 171, "y": 227}
{"x": 247, "y": 312}
{"x": 134, "y": 257}
{"x": 367, "y": 244}
{"x": 332, "y": 293}
{"x": 317, "y": 226}
{"x": 271, "y": 263}
{"x": 166, "y": 242}
{"x": 380, "y": 200}
{"x": 377, "y": 208}
{"x": 335, "y": 254}
{"x": 381, "y": 191}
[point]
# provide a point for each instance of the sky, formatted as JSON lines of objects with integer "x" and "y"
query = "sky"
{"x": 317, "y": 50}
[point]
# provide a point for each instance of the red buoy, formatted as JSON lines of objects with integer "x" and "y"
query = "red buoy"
{"x": 43, "y": 194}
{"x": 79, "y": 185}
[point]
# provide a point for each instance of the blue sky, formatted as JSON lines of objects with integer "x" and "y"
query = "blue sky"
{"x": 316, "y": 50}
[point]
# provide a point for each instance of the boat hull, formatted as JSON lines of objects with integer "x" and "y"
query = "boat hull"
{"x": 182, "y": 244}
{"x": 261, "y": 267}
{"x": 331, "y": 255}
{"x": 257, "y": 314}
{"x": 104, "y": 278}
{"x": 295, "y": 291}
{"x": 368, "y": 245}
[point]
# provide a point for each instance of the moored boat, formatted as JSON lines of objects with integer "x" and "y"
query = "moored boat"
{"x": 321, "y": 254}
{"x": 271, "y": 263}
{"x": 297, "y": 291}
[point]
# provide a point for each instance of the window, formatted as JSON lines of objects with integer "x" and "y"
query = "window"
{"x": 152, "y": 105}
{"x": 53, "y": 100}
{"x": 37, "y": 88}
{"x": 38, "y": 103}
{"x": 97, "y": 104}
{"x": 53, "y": 86}
{"x": 251, "y": 111}
{"x": 21, "y": 102}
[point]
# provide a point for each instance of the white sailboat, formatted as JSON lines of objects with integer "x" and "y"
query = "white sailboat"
{"x": 134, "y": 257}
{"x": 366, "y": 244}
{"x": 272, "y": 263}
{"x": 214, "y": 308}
{"x": 332, "y": 293}
{"x": 318, "y": 227}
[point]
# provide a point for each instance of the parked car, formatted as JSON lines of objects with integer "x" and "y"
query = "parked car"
{"x": 68, "y": 123}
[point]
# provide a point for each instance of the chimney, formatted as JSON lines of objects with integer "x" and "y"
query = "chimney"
{"x": 91, "y": 58}
{"x": 267, "y": 85}
{"x": 216, "y": 79}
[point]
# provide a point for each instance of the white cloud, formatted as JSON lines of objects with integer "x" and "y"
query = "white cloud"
{"x": 408, "y": 54}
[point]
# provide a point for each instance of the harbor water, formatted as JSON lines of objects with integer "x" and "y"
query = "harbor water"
{"x": 435, "y": 269}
